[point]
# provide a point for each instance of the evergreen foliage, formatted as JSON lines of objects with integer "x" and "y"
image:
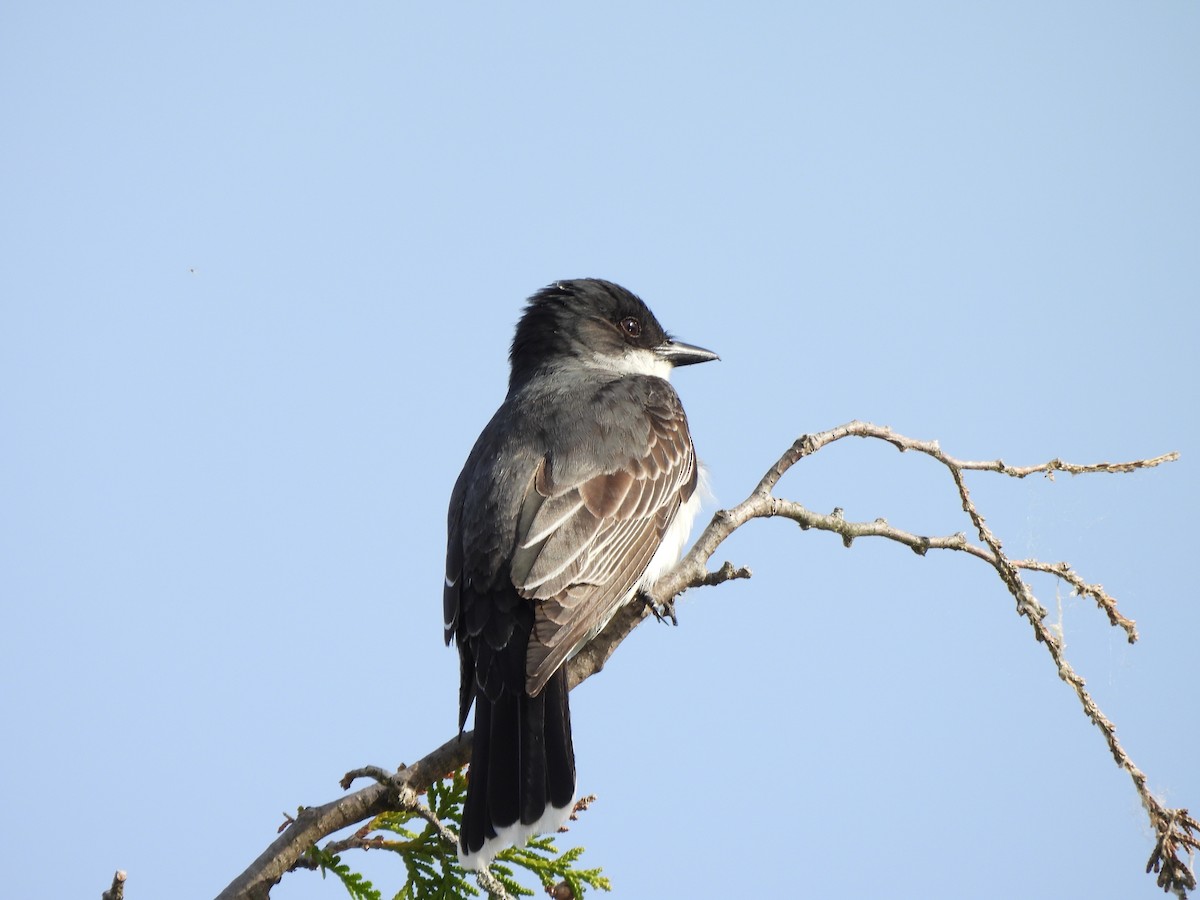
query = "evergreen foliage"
{"x": 431, "y": 861}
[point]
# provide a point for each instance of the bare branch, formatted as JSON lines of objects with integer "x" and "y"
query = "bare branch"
{"x": 1096, "y": 591}
{"x": 1176, "y": 831}
{"x": 117, "y": 891}
{"x": 1057, "y": 465}
{"x": 1174, "y": 828}
{"x": 316, "y": 822}
{"x": 383, "y": 776}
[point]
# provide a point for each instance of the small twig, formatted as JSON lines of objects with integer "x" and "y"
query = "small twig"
{"x": 1057, "y": 465}
{"x": 1096, "y": 591}
{"x": 483, "y": 877}
{"x": 357, "y": 841}
{"x": 376, "y": 773}
{"x": 1177, "y": 832}
{"x": 727, "y": 572}
{"x": 117, "y": 891}
{"x": 486, "y": 880}
{"x": 431, "y": 817}
{"x": 581, "y": 806}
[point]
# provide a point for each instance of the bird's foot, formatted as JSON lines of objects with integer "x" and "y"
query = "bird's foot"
{"x": 663, "y": 612}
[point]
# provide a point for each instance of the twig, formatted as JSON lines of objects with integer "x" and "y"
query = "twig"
{"x": 483, "y": 877}
{"x": 357, "y": 841}
{"x": 1096, "y": 591}
{"x": 117, "y": 891}
{"x": 1175, "y": 830}
{"x": 316, "y": 822}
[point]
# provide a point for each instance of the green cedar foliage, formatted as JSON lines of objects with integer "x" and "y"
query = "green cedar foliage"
{"x": 431, "y": 862}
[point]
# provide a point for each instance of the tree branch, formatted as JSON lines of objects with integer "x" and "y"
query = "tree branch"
{"x": 397, "y": 792}
{"x": 1176, "y": 831}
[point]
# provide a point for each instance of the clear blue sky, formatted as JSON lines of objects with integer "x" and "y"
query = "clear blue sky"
{"x": 259, "y": 269}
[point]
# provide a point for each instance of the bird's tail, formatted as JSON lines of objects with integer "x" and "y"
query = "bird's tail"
{"x": 522, "y": 776}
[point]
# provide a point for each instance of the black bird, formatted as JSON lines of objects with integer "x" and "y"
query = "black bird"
{"x": 580, "y": 492}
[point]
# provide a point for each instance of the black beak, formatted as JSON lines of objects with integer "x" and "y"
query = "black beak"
{"x": 677, "y": 353}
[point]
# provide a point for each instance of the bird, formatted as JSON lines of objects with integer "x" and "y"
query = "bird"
{"x": 578, "y": 494}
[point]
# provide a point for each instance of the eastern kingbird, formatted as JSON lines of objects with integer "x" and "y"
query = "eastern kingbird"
{"x": 580, "y": 492}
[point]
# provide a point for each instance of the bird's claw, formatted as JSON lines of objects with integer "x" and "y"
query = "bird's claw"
{"x": 663, "y": 612}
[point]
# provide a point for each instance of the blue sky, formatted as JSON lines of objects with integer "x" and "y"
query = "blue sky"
{"x": 260, "y": 269}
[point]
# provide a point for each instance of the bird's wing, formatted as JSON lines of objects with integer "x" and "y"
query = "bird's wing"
{"x": 583, "y": 545}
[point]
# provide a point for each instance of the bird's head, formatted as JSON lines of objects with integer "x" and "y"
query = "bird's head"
{"x": 594, "y": 324}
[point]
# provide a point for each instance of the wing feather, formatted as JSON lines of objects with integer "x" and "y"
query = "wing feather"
{"x": 551, "y": 516}
{"x": 586, "y": 544}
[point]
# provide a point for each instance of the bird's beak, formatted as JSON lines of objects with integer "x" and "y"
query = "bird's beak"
{"x": 677, "y": 353}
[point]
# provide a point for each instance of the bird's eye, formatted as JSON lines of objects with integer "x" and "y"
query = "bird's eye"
{"x": 631, "y": 326}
